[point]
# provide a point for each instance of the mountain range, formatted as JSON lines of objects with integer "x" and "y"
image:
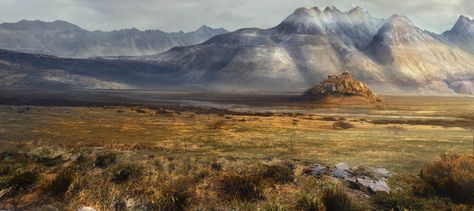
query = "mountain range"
{"x": 391, "y": 55}
{"x": 64, "y": 39}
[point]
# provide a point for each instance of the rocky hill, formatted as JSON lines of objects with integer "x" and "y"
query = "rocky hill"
{"x": 60, "y": 38}
{"x": 340, "y": 87}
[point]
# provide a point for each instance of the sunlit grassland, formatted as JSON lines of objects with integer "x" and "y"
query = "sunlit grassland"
{"x": 307, "y": 137}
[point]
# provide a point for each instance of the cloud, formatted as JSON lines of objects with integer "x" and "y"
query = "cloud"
{"x": 175, "y": 15}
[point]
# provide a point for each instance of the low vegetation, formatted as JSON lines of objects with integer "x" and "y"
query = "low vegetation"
{"x": 105, "y": 160}
{"x": 124, "y": 172}
{"x": 23, "y": 180}
{"x": 172, "y": 195}
{"x": 337, "y": 199}
{"x": 452, "y": 176}
{"x": 235, "y": 186}
{"x": 182, "y": 160}
{"x": 61, "y": 182}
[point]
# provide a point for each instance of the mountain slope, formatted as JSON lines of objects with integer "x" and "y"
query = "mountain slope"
{"x": 414, "y": 56}
{"x": 23, "y": 70}
{"x": 462, "y": 34}
{"x": 64, "y": 39}
{"x": 391, "y": 56}
{"x": 290, "y": 56}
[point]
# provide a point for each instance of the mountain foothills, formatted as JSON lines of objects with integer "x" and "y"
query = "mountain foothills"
{"x": 64, "y": 39}
{"x": 390, "y": 55}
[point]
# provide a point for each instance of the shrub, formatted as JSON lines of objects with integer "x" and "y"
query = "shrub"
{"x": 172, "y": 195}
{"x": 452, "y": 176}
{"x": 49, "y": 161}
{"x": 5, "y": 170}
{"x": 335, "y": 199}
{"x": 124, "y": 172}
{"x": 342, "y": 125}
{"x": 61, "y": 182}
{"x": 276, "y": 173}
{"x": 83, "y": 162}
{"x": 23, "y": 180}
{"x": 105, "y": 160}
{"x": 216, "y": 166}
{"x": 309, "y": 202}
{"x": 244, "y": 187}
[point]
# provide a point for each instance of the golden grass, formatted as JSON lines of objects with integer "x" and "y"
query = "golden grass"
{"x": 201, "y": 148}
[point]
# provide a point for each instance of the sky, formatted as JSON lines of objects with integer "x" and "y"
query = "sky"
{"x": 188, "y": 15}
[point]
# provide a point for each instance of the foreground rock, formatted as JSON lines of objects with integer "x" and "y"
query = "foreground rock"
{"x": 342, "y": 87}
{"x": 85, "y": 208}
{"x": 370, "y": 180}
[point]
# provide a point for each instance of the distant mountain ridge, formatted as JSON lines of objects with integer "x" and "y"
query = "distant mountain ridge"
{"x": 390, "y": 55}
{"x": 462, "y": 34}
{"x": 64, "y": 39}
{"x": 313, "y": 43}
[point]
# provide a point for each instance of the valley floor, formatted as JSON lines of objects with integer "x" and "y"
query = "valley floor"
{"x": 173, "y": 138}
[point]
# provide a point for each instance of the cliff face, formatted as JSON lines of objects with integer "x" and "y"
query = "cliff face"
{"x": 340, "y": 86}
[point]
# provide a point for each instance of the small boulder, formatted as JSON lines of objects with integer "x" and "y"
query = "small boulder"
{"x": 341, "y": 171}
{"x": 381, "y": 173}
{"x": 84, "y": 208}
{"x": 316, "y": 170}
{"x": 372, "y": 186}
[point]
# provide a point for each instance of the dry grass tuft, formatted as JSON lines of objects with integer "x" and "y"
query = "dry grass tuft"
{"x": 105, "y": 160}
{"x": 276, "y": 173}
{"x": 173, "y": 195}
{"x": 336, "y": 199}
{"x": 23, "y": 180}
{"x": 309, "y": 202}
{"x": 124, "y": 172}
{"x": 244, "y": 187}
{"x": 452, "y": 176}
{"x": 61, "y": 182}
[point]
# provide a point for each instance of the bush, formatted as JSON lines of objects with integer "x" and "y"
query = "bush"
{"x": 342, "y": 125}
{"x": 276, "y": 173}
{"x": 172, "y": 196}
{"x": 244, "y": 187}
{"x": 5, "y": 170}
{"x": 61, "y": 183}
{"x": 49, "y": 161}
{"x": 105, "y": 160}
{"x": 452, "y": 176}
{"x": 309, "y": 202}
{"x": 84, "y": 162}
{"x": 335, "y": 199}
{"x": 23, "y": 180}
{"x": 124, "y": 172}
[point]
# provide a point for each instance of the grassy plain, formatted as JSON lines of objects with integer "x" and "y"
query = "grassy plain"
{"x": 402, "y": 135}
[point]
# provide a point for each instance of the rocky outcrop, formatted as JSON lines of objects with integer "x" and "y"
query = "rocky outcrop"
{"x": 370, "y": 180}
{"x": 340, "y": 86}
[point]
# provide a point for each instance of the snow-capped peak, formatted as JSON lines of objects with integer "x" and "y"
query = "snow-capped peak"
{"x": 355, "y": 27}
{"x": 331, "y": 9}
